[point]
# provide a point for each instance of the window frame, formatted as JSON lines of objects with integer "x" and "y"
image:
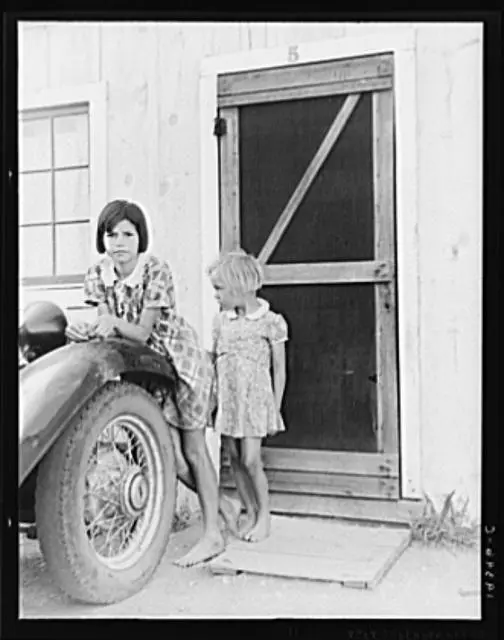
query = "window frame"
{"x": 93, "y": 96}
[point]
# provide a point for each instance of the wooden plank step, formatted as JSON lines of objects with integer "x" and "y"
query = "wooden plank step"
{"x": 365, "y": 464}
{"x": 325, "y": 484}
{"x": 358, "y": 557}
{"x": 326, "y": 532}
{"x": 284, "y": 566}
{"x": 342, "y": 558}
{"x": 330, "y": 532}
{"x": 397, "y": 512}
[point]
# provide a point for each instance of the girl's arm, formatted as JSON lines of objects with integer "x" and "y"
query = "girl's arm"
{"x": 81, "y": 331}
{"x": 94, "y": 294}
{"x": 141, "y": 331}
{"x": 215, "y": 336}
{"x": 159, "y": 293}
{"x": 279, "y": 371}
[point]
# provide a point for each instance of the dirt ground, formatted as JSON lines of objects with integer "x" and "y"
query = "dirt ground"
{"x": 424, "y": 583}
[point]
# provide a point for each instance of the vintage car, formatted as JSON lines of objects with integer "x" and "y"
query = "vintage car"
{"x": 97, "y": 472}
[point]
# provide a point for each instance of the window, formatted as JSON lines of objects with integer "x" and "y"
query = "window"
{"x": 54, "y": 193}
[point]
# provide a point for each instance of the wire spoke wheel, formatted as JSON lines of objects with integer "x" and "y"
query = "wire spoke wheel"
{"x": 122, "y": 498}
{"x": 106, "y": 496}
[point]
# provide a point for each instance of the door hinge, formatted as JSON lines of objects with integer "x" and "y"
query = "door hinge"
{"x": 219, "y": 127}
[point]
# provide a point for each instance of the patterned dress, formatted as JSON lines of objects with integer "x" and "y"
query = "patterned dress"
{"x": 150, "y": 285}
{"x": 242, "y": 345}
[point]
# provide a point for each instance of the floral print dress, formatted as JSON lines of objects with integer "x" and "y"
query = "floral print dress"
{"x": 242, "y": 345}
{"x": 150, "y": 285}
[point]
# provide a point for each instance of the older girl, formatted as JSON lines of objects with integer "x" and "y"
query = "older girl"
{"x": 249, "y": 340}
{"x": 134, "y": 296}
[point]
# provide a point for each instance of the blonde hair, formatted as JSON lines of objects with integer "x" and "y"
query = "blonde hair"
{"x": 238, "y": 270}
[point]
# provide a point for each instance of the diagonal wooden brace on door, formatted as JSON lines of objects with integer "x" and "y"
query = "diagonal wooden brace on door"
{"x": 309, "y": 175}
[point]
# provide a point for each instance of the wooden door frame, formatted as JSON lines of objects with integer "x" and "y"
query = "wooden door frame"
{"x": 402, "y": 44}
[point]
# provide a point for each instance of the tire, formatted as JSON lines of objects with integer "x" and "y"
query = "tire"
{"x": 105, "y": 496}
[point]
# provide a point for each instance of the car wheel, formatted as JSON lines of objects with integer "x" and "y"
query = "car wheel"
{"x": 105, "y": 496}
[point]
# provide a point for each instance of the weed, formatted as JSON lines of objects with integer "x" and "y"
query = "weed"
{"x": 451, "y": 526}
{"x": 182, "y": 518}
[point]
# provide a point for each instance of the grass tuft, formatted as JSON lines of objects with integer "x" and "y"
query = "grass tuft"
{"x": 451, "y": 526}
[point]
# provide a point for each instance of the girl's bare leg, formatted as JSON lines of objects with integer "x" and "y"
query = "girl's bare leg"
{"x": 251, "y": 459}
{"x": 212, "y": 543}
{"x": 185, "y": 475}
{"x": 243, "y": 483}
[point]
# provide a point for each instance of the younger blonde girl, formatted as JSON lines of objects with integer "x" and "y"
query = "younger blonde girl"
{"x": 249, "y": 351}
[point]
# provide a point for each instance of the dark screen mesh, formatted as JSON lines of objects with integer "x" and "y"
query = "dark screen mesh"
{"x": 278, "y": 140}
{"x": 330, "y": 400}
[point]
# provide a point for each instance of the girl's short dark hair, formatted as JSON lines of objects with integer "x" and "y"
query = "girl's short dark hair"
{"x": 117, "y": 211}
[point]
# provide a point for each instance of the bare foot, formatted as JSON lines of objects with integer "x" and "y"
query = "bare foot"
{"x": 259, "y": 531}
{"x": 229, "y": 514}
{"x": 207, "y": 548}
{"x": 247, "y": 524}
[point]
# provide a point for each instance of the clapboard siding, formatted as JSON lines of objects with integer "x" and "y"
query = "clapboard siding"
{"x": 34, "y": 59}
{"x": 131, "y": 133}
{"x": 74, "y": 55}
{"x": 63, "y": 296}
{"x": 278, "y": 35}
{"x": 69, "y": 299}
{"x": 153, "y": 71}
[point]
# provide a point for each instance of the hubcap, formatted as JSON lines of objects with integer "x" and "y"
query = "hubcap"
{"x": 135, "y": 493}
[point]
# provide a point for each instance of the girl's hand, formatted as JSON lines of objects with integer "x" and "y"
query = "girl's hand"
{"x": 79, "y": 332}
{"x": 105, "y": 326}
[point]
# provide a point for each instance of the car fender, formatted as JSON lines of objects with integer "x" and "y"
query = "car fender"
{"x": 56, "y": 386}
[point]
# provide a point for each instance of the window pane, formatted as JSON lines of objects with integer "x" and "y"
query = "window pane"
{"x": 35, "y": 197}
{"x": 35, "y": 251}
{"x": 35, "y": 144}
{"x": 71, "y": 140}
{"x": 72, "y": 248}
{"x": 72, "y": 194}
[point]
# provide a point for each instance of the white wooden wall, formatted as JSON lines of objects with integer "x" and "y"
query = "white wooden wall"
{"x": 449, "y": 67}
{"x": 152, "y": 73}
